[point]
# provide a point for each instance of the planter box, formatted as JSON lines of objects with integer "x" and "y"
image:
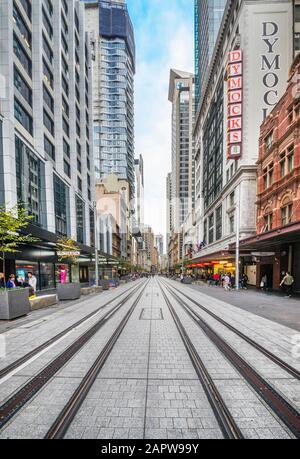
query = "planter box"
{"x": 14, "y": 303}
{"x": 68, "y": 291}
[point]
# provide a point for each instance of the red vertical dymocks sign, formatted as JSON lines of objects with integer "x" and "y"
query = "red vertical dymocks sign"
{"x": 235, "y": 104}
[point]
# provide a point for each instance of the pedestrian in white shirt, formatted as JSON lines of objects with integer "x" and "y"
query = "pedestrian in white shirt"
{"x": 32, "y": 281}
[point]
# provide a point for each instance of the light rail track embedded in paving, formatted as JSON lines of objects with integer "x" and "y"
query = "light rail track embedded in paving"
{"x": 278, "y": 404}
{"x": 23, "y": 395}
{"x": 66, "y": 416}
{"x": 224, "y": 418}
{"x": 25, "y": 358}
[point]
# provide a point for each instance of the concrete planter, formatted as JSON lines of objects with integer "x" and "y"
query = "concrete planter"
{"x": 68, "y": 291}
{"x": 14, "y": 303}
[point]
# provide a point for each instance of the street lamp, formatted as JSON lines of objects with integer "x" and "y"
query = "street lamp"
{"x": 96, "y": 245}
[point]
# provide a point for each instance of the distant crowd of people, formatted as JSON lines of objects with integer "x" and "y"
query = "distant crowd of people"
{"x": 13, "y": 282}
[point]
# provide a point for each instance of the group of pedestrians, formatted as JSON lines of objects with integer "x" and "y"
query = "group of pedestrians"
{"x": 13, "y": 282}
{"x": 286, "y": 284}
{"x": 227, "y": 281}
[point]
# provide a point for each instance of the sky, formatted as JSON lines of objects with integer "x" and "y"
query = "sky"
{"x": 164, "y": 35}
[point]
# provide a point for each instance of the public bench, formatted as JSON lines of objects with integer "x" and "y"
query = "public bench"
{"x": 41, "y": 302}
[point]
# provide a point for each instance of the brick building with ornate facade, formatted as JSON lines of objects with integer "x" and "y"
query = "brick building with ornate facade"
{"x": 277, "y": 244}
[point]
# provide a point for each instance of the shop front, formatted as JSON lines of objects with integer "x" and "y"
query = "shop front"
{"x": 276, "y": 252}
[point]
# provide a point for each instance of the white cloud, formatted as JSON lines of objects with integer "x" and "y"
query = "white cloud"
{"x": 164, "y": 41}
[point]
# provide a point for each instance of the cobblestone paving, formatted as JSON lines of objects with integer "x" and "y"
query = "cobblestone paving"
{"x": 148, "y": 387}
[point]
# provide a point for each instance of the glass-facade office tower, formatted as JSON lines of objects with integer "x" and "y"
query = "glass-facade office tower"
{"x": 46, "y": 103}
{"x": 112, "y": 37}
{"x": 208, "y": 17}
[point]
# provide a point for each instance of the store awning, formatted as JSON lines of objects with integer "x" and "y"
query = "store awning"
{"x": 271, "y": 240}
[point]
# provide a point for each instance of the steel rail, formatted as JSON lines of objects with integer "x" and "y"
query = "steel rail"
{"x": 63, "y": 421}
{"x": 224, "y": 418}
{"x": 285, "y": 366}
{"x": 36, "y": 383}
{"x": 278, "y": 404}
{"x": 17, "y": 363}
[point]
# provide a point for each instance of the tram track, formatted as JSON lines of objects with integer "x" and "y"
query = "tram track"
{"x": 23, "y": 395}
{"x": 28, "y": 356}
{"x": 224, "y": 418}
{"x": 63, "y": 421}
{"x": 287, "y": 413}
{"x": 274, "y": 358}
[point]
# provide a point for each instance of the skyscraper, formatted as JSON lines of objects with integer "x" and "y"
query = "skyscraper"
{"x": 47, "y": 160}
{"x": 181, "y": 95}
{"x": 112, "y": 38}
{"x": 139, "y": 189}
{"x": 208, "y": 17}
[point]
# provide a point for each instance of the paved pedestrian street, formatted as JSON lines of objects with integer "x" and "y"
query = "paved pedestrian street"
{"x": 169, "y": 367}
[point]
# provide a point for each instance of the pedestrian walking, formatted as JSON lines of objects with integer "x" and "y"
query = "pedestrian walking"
{"x": 287, "y": 282}
{"x": 226, "y": 283}
{"x": 245, "y": 280}
{"x": 32, "y": 281}
{"x": 216, "y": 279}
{"x": 264, "y": 282}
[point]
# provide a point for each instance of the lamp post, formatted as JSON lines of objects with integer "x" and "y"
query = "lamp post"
{"x": 237, "y": 252}
{"x": 96, "y": 246}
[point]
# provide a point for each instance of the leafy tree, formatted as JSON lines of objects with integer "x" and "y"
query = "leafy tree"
{"x": 12, "y": 223}
{"x": 68, "y": 252}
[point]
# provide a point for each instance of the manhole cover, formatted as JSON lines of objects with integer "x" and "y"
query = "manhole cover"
{"x": 151, "y": 314}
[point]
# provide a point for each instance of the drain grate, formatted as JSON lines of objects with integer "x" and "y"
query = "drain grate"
{"x": 151, "y": 314}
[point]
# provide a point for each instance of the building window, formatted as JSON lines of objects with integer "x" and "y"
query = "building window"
{"x": 219, "y": 223}
{"x": 22, "y": 56}
{"x": 22, "y": 87}
{"x": 48, "y": 123}
{"x": 286, "y": 214}
{"x": 211, "y": 229}
{"x": 80, "y": 219}
{"x": 290, "y": 158}
{"x": 49, "y": 148}
{"x": 23, "y": 117}
{"x": 297, "y": 13}
{"x": 30, "y": 175}
{"x": 282, "y": 165}
{"x": 61, "y": 206}
{"x": 67, "y": 168}
{"x": 24, "y": 31}
{"x": 231, "y": 224}
{"x": 268, "y": 222}
{"x": 48, "y": 99}
{"x": 269, "y": 141}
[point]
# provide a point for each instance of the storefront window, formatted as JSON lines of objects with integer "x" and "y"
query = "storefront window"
{"x": 25, "y": 267}
{"x": 62, "y": 274}
{"x": 47, "y": 276}
{"x": 75, "y": 273}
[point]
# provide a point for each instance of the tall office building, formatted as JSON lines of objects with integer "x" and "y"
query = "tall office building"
{"x": 159, "y": 244}
{"x": 181, "y": 95}
{"x": 47, "y": 159}
{"x": 169, "y": 209}
{"x": 112, "y": 38}
{"x": 208, "y": 17}
{"x": 139, "y": 192}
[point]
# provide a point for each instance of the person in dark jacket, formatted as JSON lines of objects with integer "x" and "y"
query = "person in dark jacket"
{"x": 2, "y": 280}
{"x": 11, "y": 283}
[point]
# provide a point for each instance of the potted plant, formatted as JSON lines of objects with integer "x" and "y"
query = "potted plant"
{"x": 13, "y": 302}
{"x": 68, "y": 253}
